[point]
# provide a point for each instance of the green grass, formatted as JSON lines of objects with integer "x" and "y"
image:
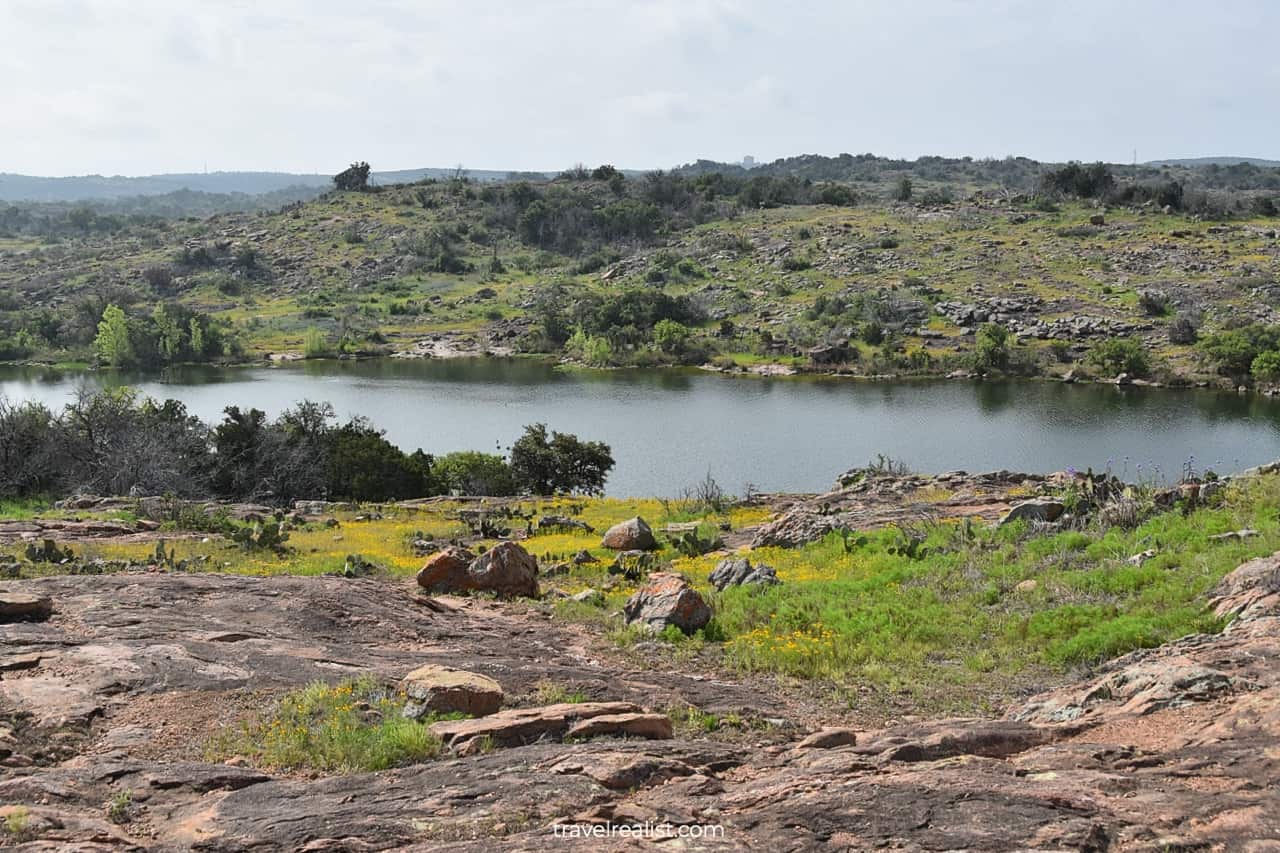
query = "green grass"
{"x": 349, "y": 727}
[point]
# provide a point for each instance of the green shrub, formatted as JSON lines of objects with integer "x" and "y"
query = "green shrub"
{"x": 1120, "y": 355}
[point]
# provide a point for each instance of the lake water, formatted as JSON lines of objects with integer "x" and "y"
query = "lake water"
{"x": 669, "y": 428}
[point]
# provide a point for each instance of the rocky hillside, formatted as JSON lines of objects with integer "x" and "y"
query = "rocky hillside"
{"x": 756, "y": 271}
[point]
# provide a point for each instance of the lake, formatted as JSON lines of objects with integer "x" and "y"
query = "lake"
{"x": 668, "y": 428}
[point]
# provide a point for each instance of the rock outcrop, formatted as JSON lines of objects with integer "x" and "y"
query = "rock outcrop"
{"x": 738, "y": 571}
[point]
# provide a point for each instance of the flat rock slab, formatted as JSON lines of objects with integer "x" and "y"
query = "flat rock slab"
{"x": 526, "y": 725}
{"x": 446, "y": 690}
{"x": 21, "y": 607}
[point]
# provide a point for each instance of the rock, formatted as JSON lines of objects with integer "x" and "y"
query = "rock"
{"x": 794, "y": 528}
{"x": 550, "y": 523}
{"x": 1097, "y": 219}
{"x": 1141, "y": 557}
{"x": 665, "y": 600}
{"x": 445, "y": 690}
{"x": 651, "y": 726}
{"x": 20, "y": 607}
{"x": 445, "y": 569}
{"x": 625, "y": 771}
{"x": 1028, "y": 585}
{"x": 525, "y": 725}
{"x": 589, "y": 596}
{"x": 829, "y": 738}
{"x": 1124, "y": 379}
{"x": 506, "y": 569}
{"x": 1071, "y": 376}
{"x": 584, "y": 558}
{"x": 1245, "y": 533}
{"x": 737, "y": 571}
{"x": 1037, "y": 509}
{"x": 630, "y": 535}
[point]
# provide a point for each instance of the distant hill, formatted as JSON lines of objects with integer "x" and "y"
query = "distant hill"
{"x": 99, "y": 187}
{"x": 1215, "y": 161}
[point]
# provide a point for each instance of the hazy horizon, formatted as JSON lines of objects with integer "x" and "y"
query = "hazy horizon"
{"x": 106, "y": 87}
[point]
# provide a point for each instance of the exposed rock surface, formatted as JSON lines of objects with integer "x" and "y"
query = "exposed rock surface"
{"x": 1045, "y": 510}
{"x": 634, "y": 534}
{"x": 667, "y": 600}
{"x": 1167, "y": 748}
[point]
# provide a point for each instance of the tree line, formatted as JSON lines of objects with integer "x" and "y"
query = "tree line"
{"x": 114, "y": 442}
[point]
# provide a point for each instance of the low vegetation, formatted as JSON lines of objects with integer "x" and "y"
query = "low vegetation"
{"x": 350, "y": 727}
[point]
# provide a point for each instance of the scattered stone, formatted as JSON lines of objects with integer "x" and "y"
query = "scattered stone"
{"x": 584, "y": 558}
{"x": 445, "y": 690}
{"x": 738, "y": 571}
{"x": 1141, "y": 557}
{"x": 1046, "y": 510}
{"x": 1124, "y": 379}
{"x": 829, "y": 738}
{"x": 589, "y": 596}
{"x": 630, "y": 535}
{"x": 1026, "y": 586}
{"x": 1245, "y": 533}
{"x": 20, "y": 607}
{"x": 666, "y": 600}
{"x": 551, "y": 523}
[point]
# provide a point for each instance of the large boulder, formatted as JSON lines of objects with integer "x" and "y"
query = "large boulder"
{"x": 526, "y": 725}
{"x": 444, "y": 690}
{"x": 506, "y": 569}
{"x": 665, "y": 600}
{"x": 737, "y": 571}
{"x": 1045, "y": 510}
{"x": 630, "y": 535}
{"x": 445, "y": 571}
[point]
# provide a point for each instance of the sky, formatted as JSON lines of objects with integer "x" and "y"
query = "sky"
{"x": 147, "y": 86}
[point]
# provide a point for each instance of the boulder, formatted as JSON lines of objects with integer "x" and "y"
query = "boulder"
{"x": 444, "y": 570}
{"x": 737, "y": 571}
{"x": 20, "y": 607}
{"x": 506, "y": 569}
{"x": 446, "y": 691}
{"x": 630, "y": 535}
{"x": 1045, "y": 510}
{"x": 667, "y": 599}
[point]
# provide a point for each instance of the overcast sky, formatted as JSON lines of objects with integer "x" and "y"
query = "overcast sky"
{"x": 145, "y": 86}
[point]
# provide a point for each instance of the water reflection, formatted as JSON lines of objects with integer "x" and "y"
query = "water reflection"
{"x": 668, "y": 428}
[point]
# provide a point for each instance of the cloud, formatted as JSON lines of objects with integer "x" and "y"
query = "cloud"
{"x": 145, "y": 86}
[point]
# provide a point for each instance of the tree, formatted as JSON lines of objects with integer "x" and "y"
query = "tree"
{"x": 112, "y": 344}
{"x": 197, "y": 338}
{"x": 469, "y": 472}
{"x": 902, "y": 190}
{"x": 1121, "y": 355}
{"x": 168, "y": 334}
{"x": 355, "y": 177}
{"x": 1266, "y": 367}
{"x": 992, "y": 349}
{"x": 559, "y": 464}
{"x": 670, "y": 336}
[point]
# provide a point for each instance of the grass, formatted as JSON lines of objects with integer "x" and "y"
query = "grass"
{"x": 349, "y": 727}
{"x": 955, "y": 622}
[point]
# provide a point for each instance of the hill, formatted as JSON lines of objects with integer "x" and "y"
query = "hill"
{"x": 743, "y": 271}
